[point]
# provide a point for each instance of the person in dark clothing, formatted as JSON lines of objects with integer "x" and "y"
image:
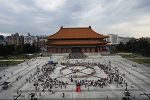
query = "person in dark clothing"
{"x": 63, "y": 94}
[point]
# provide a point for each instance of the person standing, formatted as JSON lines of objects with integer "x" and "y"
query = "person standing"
{"x": 63, "y": 94}
{"x": 17, "y": 92}
{"x": 39, "y": 93}
{"x": 126, "y": 85}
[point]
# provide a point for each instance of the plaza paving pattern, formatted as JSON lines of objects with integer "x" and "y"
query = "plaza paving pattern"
{"x": 138, "y": 76}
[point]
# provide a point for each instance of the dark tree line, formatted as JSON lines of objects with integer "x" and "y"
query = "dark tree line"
{"x": 140, "y": 46}
{"x": 18, "y": 50}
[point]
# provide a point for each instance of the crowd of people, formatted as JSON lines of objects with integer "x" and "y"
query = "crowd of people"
{"x": 43, "y": 79}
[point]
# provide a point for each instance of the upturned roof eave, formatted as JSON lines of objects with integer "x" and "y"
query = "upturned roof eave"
{"x": 60, "y": 34}
{"x": 49, "y": 38}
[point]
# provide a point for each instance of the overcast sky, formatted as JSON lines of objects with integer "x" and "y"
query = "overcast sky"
{"x": 45, "y": 17}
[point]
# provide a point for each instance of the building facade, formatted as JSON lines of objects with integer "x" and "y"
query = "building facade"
{"x": 29, "y": 39}
{"x": 124, "y": 40}
{"x": 1, "y": 39}
{"x": 81, "y": 39}
{"x": 15, "y": 39}
{"x": 113, "y": 39}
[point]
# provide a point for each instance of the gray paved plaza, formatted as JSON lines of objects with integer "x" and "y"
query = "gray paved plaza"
{"x": 137, "y": 78}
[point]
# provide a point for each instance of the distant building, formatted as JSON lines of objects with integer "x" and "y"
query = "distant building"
{"x": 124, "y": 40}
{"x": 29, "y": 39}
{"x": 2, "y": 38}
{"x": 15, "y": 39}
{"x": 113, "y": 39}
{"x": 37, "y": 38}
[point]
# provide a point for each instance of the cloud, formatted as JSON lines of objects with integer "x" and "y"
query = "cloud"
{"x": 45, "y": 17}
{"x": 50, "y": 5}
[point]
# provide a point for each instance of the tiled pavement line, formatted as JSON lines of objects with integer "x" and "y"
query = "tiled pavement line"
{"x": 143, "y": 73}
{"x": 140, "y": 88}
{"x": 18, "y": 80}
{"x": 92, "y": 89}
{"x": 19, "y": 87}
{"x": 18, "y": 72}
{"x": 114, "y": 93}
{"x": 135, "y": 75}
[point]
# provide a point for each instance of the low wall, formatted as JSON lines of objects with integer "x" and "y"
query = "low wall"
{"x": 46, "y": 54}
{"x": 105, "y": 53}
{"x": 124, "y": 53}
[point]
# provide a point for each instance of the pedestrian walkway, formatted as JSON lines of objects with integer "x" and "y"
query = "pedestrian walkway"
{"x": 24, "y": 76}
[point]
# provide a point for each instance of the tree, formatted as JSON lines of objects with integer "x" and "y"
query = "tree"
{"x": 27, "y": 48}
{"x": 120, "y": 46}
{"x": 17, "y": 50}
{"x": 143, "y": 52}
{"x": 1, "y": 50}
{"x": 140, "y": 46}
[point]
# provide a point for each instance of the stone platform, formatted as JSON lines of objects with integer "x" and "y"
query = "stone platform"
{"x": 138, "y": 79}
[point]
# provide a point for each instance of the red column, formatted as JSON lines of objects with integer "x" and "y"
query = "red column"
{"x": 61, "y": 50}
{"x": 70, "y": 50}
{"x": 85, "y": 50}
{"x": 47, "y": 49}
{"x": 104, "y": 48}
{"x": 52, "y": 49}
{"x": 56, "y": 49}
{"x": 90, "y": 49}
{"x": 95, "y": 49}
{"x": 101, "y": 48}
{"x": 82, "y": 49}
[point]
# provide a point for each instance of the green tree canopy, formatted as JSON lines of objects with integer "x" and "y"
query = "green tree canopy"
{"x": 140, "y": 46}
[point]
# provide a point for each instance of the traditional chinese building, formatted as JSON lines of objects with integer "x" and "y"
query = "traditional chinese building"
{"x": 81, "y": 39}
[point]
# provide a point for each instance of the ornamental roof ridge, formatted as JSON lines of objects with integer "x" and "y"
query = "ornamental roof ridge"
{"x": 73, "y": 27}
